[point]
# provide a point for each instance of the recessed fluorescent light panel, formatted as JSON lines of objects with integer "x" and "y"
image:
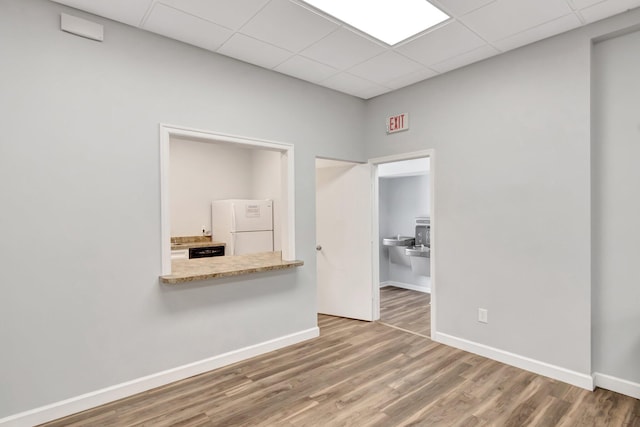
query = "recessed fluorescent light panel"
{"x": 390, "y": 21}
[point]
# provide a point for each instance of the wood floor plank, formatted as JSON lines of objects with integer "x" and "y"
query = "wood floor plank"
{"x": 550, "y": 413}
{"x": 450, "y": 410}
{"x": 367, "y": 374}
{"x": 406, "y": 309}
{"x": 421, "y": 399}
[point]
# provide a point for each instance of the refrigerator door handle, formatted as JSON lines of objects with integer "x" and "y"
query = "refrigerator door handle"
{"x": 233, "y": 237}
{"x": 233, "y": 217}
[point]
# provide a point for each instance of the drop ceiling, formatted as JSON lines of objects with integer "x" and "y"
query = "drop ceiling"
{"x": 292, "y": 38}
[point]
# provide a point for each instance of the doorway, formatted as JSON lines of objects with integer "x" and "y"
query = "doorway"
{"x": 403, "y": 197}
{"x": 347, "y": 209}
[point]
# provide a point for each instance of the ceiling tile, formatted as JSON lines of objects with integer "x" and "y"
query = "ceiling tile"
{"x": 291, "y": 38}
{"x": 371, "y": 92}
{"x": 504, "y": 18}
{"x": 305, "y": 69}
{"x": 288, "y": 25}
{"x": 385, "y": 67}
{"x": 460, "y": 7}
{"x": 442, "y": 43}
{"x": 581, "y": 4}
{"x": 128, "y": 11}
{"x": 607, "y": 8}
{"x": 483, "y": 52}
{"x": 178, "y": 25}
{"x": 228, "y": 13}
{"x": 348, "y": 83}
{"x": 253, "y": 51}
{"x": 343, "y": 49}
{"x": 557, "y": 26}
{"x": 411, "y": 78}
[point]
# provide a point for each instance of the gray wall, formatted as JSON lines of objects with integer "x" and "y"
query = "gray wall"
{"x": 79, "y": 182}
{"x": 81, "y": 306}
{"x": 404, "y": 198}
{"x": 513, "y": 196}
{"x": 616, "y": 208}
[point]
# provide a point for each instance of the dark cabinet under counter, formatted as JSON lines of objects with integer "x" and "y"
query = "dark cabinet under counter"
{"x": 206, "y": 252}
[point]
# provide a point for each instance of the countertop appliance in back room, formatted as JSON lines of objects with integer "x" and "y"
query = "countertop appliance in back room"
{"x": 246, "y": 226}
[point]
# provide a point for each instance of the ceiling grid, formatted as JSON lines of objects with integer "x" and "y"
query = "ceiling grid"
{"x": 293, "y": 38}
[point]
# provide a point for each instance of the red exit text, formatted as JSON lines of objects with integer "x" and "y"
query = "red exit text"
{"x": 398, "y": 123}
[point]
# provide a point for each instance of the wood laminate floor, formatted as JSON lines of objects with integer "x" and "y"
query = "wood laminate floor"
{"x": 406, "y": 309}
{"x": 365, "y": 374}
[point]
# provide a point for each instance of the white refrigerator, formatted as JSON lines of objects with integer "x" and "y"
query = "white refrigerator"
{"x": 246, "y": 226}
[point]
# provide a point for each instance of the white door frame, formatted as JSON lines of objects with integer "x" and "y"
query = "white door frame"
{"x": 375, "y": 262}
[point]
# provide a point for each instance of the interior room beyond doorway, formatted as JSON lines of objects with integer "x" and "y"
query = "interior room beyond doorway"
{"x": 403, "y": 260}
{"x": 404, "y": 223}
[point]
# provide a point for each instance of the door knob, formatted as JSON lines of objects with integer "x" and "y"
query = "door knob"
{"x": 318, "y": 248}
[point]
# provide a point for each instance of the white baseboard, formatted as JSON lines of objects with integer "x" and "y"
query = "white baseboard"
{"x": 556, "y": 372}
{"x": 617, "y": 384}
{"x": 119, "y": 391}
{"x": 408, "y": 286}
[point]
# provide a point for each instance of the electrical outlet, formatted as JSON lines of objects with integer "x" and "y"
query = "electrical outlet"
{"x": 483, "y": 315}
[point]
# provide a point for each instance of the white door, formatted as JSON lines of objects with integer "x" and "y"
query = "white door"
{"x": 343, "y": 238}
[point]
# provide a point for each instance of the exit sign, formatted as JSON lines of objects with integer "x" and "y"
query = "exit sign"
{"x": 398, "y": 123}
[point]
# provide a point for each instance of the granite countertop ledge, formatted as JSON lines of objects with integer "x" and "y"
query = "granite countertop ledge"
{"x": 189, "y": 245}
{"x": 191, "y": 270}
{"x": 188, "y": 242}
